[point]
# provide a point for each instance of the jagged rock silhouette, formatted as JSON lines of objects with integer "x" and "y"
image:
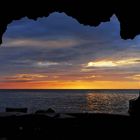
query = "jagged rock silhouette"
{"x": 86, "y": 12}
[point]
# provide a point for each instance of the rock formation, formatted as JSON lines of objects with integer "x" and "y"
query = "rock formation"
{"x": 87, "y": 12}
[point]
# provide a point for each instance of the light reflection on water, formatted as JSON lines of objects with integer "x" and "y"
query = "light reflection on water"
{"x": 108, "y": 103}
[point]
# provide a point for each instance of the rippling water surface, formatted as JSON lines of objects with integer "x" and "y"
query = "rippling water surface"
{"x": 101, "y": 101}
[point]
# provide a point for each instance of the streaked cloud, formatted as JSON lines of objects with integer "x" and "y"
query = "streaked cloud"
{"x": 134, "y": 77}
{"x": 55, "y": 43}
{"x": 92, "y": 76}
{"x": 101, "y": 64}
{"x": 25, "y": 77}
{"x": 44, "y": 64}
{"x": 114, "y": 63}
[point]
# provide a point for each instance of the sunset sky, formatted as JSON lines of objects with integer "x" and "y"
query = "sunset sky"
{"x": 58, "y": 52}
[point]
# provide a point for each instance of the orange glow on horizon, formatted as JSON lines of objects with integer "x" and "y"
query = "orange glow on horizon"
{"x": 71, "y": 85}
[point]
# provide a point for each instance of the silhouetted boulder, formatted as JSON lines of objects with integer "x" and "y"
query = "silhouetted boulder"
{"x": 49, "y": 112}
{"x": 22, "y": 110}
{"x": 134, "y": 106}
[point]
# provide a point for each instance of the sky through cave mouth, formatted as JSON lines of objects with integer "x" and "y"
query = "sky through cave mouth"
{"x": 58, "y": 52}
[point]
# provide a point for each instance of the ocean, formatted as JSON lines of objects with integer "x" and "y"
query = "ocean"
{"x": 69, "y": 101}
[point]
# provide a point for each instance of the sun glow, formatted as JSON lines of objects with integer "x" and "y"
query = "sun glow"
{"x": 71, "y": 85}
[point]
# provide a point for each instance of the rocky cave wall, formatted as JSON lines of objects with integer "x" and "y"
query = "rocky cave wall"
{"x": 86, "y": 12}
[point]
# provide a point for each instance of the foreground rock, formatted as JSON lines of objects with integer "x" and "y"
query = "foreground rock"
{"x": 134, "y": 106}
{"x": 72, "y": 126}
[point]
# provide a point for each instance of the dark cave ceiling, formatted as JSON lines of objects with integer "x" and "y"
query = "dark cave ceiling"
{"x": 85, "y": 12}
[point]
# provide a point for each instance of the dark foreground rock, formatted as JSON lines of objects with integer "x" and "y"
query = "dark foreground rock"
{"x": 78, "y": 126}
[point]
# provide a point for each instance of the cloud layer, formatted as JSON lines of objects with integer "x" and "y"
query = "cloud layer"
{"x": 59, "y": 48}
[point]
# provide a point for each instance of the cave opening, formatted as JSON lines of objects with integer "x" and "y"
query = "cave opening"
{"x": 59, "y": 53}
